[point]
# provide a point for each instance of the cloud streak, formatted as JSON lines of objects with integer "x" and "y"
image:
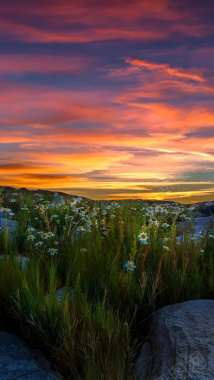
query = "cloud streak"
{"x": 108, "y": 99}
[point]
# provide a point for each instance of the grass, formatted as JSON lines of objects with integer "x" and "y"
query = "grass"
{"x": 100, "y": 329}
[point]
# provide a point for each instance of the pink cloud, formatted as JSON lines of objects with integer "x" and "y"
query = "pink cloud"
{"x": 177, "y": 72}
{"x": 43, "y": 63}
{"x": 100, "y": 22}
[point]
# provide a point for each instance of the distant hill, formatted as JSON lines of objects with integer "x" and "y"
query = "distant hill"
{"x": 60, "y": 193}
{"x": 23, "y": 190}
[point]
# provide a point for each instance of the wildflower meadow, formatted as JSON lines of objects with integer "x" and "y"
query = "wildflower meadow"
{"x": 118, "y": 261}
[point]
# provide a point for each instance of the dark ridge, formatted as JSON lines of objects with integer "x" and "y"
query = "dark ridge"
{"x": 60, "y": 193}
{"x": 24, "y": 190}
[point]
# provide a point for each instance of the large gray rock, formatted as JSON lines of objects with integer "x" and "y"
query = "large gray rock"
{"x": 18, "y": 361}
{"x": 208, "y": 209}
{"x": 11, "y": 226}
{"x": 199, "y": 225}
{"x": 22, "y": 259}
{"x": 196, "y": 214}
{"x": 60, "y": 293}
{"x": 191, "y": 324}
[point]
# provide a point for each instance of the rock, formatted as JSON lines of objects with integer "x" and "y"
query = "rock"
{"x": 11, "y": 225}
{"x": 196, "y": 214}
{"x": 191, "y": 323}
{"x": 60, "y": 293}
{"x": 208, "y": 209}
{"x": 144, "y": 362}
{"x": 22, "y": 259}
{"x": 18, "y": 361}
{"x": 199, "y": 225}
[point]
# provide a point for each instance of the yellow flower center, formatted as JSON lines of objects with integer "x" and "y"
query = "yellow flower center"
{"x": 153, "y": 219}
{"x": 130, "y": 265}
{"x": 143, "y": 236}
{"x": 5, "y": 209}
{"x": 44, "y": 235}
{"x": 52, "y": 249}
{"x": 31, "y": 236}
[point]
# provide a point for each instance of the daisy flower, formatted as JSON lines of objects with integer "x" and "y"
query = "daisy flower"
{"x": 143, "y": 236}
{"x": 175, "y": 212}
{"x": 165, "y": 225}
{"x": 165, "y": 247}
{"x": 83, "y": 249}
{"x": 154, "y": 221}
{"x": 44, "y": 236}
{"x": 130, "y": 265}
{"x": 7, "y": 210}
{"x": 149, "y": 213}
{"x": 30, "y": 229}
{"x": 50, "y": 234}
{"x": 39, "y": 244}
{"x": 52, "y": 251}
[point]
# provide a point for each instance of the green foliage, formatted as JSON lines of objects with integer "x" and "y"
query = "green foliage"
{"x": 98, "y": 330}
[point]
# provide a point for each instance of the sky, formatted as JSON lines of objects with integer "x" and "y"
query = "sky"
{"x": 108, "y": 99}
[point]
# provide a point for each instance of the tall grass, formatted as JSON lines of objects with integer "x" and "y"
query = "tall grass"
{"x": 99, "y": 331}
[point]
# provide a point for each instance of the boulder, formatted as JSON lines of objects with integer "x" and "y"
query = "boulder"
{"x": 196, "y": 214}
{"x": 199, "y": 225}
{"x": 18, "y": 361}
{"x": 208, "y": 208}
{"x": 183, "y": 331}
{"x": 60, "y": 292}
{"x": 11, "y": 226}
{"x": 22, "y": 259}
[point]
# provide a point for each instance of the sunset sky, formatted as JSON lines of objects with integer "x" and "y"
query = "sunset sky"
{"x": 108, "y": 99}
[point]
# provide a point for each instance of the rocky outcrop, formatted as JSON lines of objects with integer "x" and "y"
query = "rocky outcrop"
{"x": 60, "y": 293}
{"x": 11, "y": 226}
{"x": 22, "y": 259}
{"x": 208, "y": 208}
{"x": 184, "y": 331}
{"x": 199, "y": 225}
{"x": 17, "y": 361}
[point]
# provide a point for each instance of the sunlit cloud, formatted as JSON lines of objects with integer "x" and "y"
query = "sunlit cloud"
{"x": 165, "y": 68}
{"x": 80, "y": 22}
{"x": 108, "y": 100}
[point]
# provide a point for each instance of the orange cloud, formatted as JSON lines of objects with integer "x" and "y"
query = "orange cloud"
{"x": 166, "y": 69}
